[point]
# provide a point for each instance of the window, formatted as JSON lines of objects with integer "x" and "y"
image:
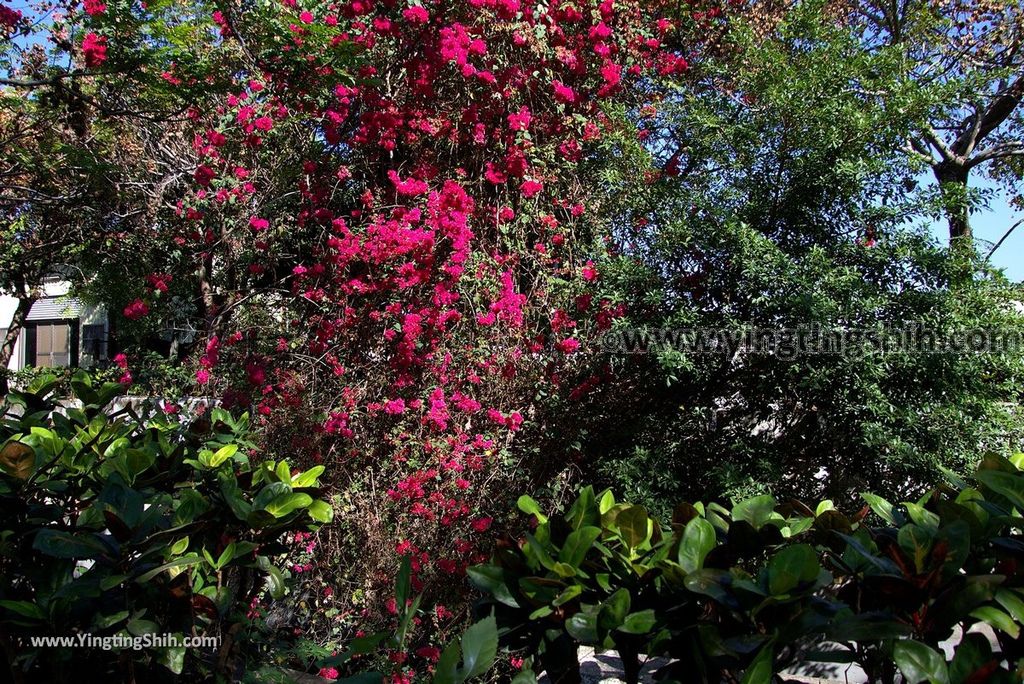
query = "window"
{"x": 94, "y": 342}
{"x": 51, "y": 344}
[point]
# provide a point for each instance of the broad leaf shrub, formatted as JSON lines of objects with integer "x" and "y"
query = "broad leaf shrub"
{"x": 130, "y": 523}
{"x": 751, "y": 590}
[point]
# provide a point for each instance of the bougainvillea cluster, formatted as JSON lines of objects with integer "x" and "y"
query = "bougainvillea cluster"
{"x": 441, "y": 222}
{"x": 392, "y": 242}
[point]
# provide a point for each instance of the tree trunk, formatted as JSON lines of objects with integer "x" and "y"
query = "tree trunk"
{"x": 630, "y": 656}
{"x": 952, "y": 178}
{"x": 13, "y": 331}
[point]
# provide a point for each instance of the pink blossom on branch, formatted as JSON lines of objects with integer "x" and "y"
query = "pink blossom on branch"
{"x": 563, "y": 93}
{"x": 416, "y": 15}
{"x": 531, "y": 188}
{"x": 425, "y": 251}
{"x": 136, "y": 310}
{"x": 94, "y": 50}
{"x": 94, "y": 7}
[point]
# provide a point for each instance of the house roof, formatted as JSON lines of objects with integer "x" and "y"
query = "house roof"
{"x": 55, "y": 307}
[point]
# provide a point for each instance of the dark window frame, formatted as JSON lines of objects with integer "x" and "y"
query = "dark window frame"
{"x": 102, "y": 351}
{"x": 29, "y": 352}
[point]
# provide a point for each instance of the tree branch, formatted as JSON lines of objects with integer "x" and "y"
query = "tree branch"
{"x": 52, "y": 81}
{"x": 1002, "y": 240}
{"x": 998, "y": 151}
{"x": 914, "y": 148}
{"x": 937, "y": 142}
{"x": 997, "y": 112}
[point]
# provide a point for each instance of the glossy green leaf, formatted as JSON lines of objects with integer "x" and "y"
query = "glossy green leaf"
{"x": 881, "y": 507}
{"x": 640, "y": 622}
{"x": 919, "y": 662}
{"x": 173, "y": 657}
{"x": 922, "y": 517}
{"x": 320, "y": 511}
{"x": 182, "y": 562}
{"x": 226, "y": 556}
{"x": 583, "y": 627}
{"x": 584, "y": 510}
{"x": 62, "y": 544}
{"x": 1009, "y": 485}
{"x": 972, "y": 654}
{"x": 577, "y": 544}
{"x": 916, "y": 542}
{"x": 179, "y": 547}
{"x": 564, "y": 570}
{"x": 286, "y": 504}
{"x": 491, "y": 579}
{"x": 614, "y": 610}
{"x": 25, "y": 609}
{"x": 106, "y": 621}
{"x": 535, "y": 550}
{"x": 698, "y": 540}
{"x": 633, "y": 525}
{"x": 275, "y": 581}
{"x": 998, "y": 619}
{"x": 447, "y": 669}
{"x": 529, "y": 506}
{"x": 710, "y": 583}
{"x": 479, "y": 647}
{"x": 524, "y": 676}
{"x": 568, "y": 595}
{"x": 760, "y": 671}
{"x": 790, "y": 567}
{"x": 223, "y": 454}
{"x": 1012, "y": 602}
{"x": 403, "y": 584}
{"x": 308, "y": 478}
{"x": 141, "y": 627}
{"x": 853, "y": 628}
{"x": 757, "y": 510}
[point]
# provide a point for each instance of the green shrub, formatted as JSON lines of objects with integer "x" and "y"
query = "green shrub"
{"x": 756, "y": 588}
{"x": 127, "y": 524}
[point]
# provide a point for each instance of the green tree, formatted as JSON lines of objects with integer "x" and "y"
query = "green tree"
{"x": 786, "y": 203}
{"x": 91, "y": 106}
{"x": 971, "y": 52}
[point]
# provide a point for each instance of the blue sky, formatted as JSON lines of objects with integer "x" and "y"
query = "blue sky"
{"x": 990, "y": 225}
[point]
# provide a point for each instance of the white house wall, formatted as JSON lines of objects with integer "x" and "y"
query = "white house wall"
{"x": 88, "y": 315}
{"x": 8, "y": 305}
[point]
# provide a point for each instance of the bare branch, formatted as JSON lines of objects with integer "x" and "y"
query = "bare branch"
{"x": 997, "y": 112}
{"x": 915, "y": 148}
{"x": 998, "y": 151}
{"x": 52, "y": 81}
{"x": 1002, "y": 239}
{"x": 940, "y": 146}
